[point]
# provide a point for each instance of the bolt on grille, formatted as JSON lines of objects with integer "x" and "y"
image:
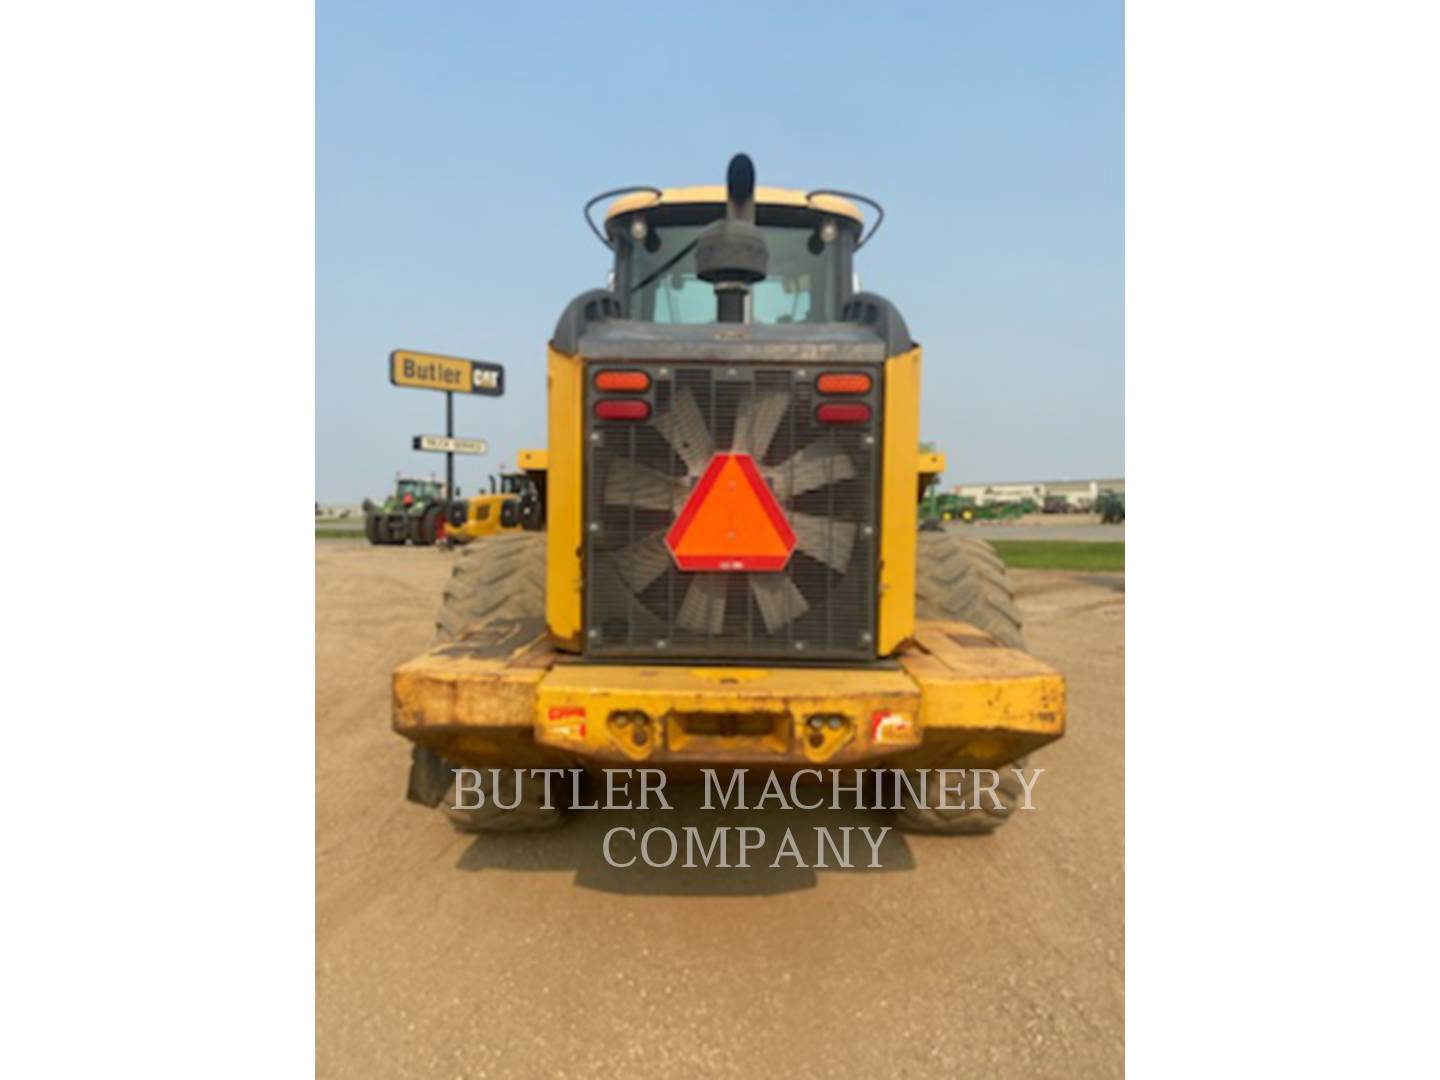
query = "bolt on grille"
{"x": 639, "y": 475}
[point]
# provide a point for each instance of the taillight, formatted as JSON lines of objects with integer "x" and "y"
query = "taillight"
{"x": 622, "y": 409}
{"x": 633, "y": 382}
{"x": 848, "y": 413}
{"x": 846, "y": 383}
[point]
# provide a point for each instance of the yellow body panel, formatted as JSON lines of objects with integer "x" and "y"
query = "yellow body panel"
{"x": 898, "y": 513}
{"x": 931, "y": 464}
{"x": 720, "y": 714}
{"x": 534, "y": 461}
{"x": 982, "y": 706}
{"x": 564, "y": 513}
{"x": 505, "y": 697}
{"x": 470, "y": 700}
{"x": 715, "y": 193}
{"x": 482, "y": 518}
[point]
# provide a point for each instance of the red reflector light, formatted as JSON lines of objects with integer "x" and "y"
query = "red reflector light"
{"x": 843, "y": 414}
{"x": 629, "y": 381}
{"x": 848, "y": 383}
{"x": 622, "y": 409}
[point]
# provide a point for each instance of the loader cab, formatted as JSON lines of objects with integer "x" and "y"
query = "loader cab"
{"x": 811, "y": 241}
{"x": 511, "y": 484}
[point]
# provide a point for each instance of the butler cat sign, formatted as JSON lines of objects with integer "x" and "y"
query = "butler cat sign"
{"x": 426, "y": 371}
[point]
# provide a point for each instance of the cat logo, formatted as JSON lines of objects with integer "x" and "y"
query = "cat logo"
{"x": 426, "y": 371}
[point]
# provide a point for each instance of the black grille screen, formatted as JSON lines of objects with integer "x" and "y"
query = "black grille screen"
{"x": 639, "y": 475}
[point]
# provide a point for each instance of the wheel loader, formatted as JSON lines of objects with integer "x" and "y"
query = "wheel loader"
{"x": 513, "y": 502}
{"x": 731, "y": 573}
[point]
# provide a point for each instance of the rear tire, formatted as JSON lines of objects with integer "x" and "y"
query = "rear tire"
{"x": 372, "y": 528}
{"x": 528, "y": 815}
{"x": 980, "y": 815}
{"x": 960, "y": 578}
{"x": 424, "y": 527}
{"x": 495, "y": 578}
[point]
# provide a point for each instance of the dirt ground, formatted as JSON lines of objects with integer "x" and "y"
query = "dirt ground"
{"x": 442, "y": 955}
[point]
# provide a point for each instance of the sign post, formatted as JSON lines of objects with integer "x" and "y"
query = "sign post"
{"x": 449, "y": 457}
{"x": 451, "y": 375}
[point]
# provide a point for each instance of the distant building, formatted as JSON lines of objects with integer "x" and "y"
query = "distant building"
{"x": 1080, "y": 494}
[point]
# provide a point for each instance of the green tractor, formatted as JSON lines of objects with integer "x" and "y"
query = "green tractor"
{"x": 998, "y": 511}
{"x": 945, "y": 506}
{"x": 966, "y": 509}
{"x": 416, "y": 512}
{"x": 1110, "y": 505}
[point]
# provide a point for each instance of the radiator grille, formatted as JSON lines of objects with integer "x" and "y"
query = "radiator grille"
{"x": 639, "y": 474}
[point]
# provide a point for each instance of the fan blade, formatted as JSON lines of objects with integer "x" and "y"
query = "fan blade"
{"x": 756, "y": 422}
{"x": 824, "y": 539}
{"x": 629, "y": 484}
{"x": 778, "y": 599}
{"x": 640, "y": 563}
{"x": 703, "y": 609}
{"x": 684, "y": 429}
{"x": 609, "y": 593}
{"x": 820, "y": 463}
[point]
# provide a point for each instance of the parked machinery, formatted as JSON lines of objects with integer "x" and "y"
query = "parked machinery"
{"x": 414, "y": 512}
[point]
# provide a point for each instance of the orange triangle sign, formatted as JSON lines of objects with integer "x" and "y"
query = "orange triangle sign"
{"x": 731, "y": 521}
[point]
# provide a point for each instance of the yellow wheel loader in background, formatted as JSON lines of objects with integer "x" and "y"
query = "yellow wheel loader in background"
{"x": 731, "y": 572}
{"x": 515, "y": 502}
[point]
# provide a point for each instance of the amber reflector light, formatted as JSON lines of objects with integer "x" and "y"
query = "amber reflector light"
{"x": 843, "y": 414}
{"x": 628, "y": 381}
{"x": 622, "y": 409}
{"x": 847, "y": 383}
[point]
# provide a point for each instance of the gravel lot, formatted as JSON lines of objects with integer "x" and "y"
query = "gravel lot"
{"x": 440, "y": 955}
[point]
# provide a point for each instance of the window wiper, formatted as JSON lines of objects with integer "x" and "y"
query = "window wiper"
{"x": 668, "y": 265}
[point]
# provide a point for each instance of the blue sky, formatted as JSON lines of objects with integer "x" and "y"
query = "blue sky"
{"x": 457, "y": 142}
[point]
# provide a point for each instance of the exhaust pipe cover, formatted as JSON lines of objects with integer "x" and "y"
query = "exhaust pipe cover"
{"x": 731, "y": 253}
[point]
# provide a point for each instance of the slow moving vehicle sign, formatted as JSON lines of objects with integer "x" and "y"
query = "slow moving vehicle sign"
{"x": 731, "y": 521}
{"x": 427, "y": 371}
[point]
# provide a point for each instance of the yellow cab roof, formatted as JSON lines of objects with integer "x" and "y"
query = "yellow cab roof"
{"x": 715, "y": 193}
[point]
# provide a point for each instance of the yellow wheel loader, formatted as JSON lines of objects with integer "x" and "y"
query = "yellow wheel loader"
{"x": 731, "y": 573}
{"x": 514, "y": 503}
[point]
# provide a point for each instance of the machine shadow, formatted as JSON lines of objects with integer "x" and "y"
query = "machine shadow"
{"x": 579, "y": 846}
{"x": 1113, "y": 582}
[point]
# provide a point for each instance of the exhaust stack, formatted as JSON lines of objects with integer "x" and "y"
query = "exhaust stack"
{"x": 731, "y": 253}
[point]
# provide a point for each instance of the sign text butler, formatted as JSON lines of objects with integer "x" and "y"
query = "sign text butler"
{"x": 427, "y": 371}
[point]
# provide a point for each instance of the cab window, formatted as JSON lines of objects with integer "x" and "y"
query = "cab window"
{"x": 806, "y": 281}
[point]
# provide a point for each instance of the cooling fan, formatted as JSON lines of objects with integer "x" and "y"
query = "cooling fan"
{"x": 657, "y": 498}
